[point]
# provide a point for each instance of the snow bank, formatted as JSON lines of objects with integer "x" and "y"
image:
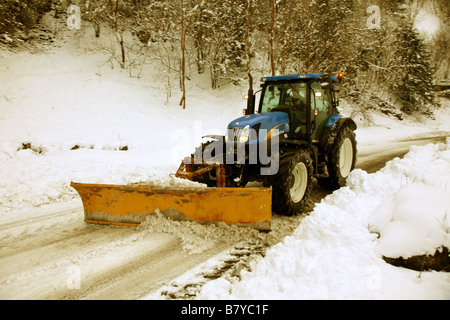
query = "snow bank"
{"x": 414, "y": 221}
{"x": 334, "y": 255}
{"x": 29, "y": 179}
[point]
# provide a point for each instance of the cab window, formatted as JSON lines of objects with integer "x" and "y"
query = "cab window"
{"x": 321, "y": 106}
{"x": 281, "y": 95}
{"x": 271, "y": 98}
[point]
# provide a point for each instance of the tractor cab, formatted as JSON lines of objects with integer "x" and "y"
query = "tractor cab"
{"x": 308, "y": 99}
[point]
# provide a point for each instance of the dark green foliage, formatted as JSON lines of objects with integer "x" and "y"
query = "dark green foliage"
{"x": 414, "y": 75}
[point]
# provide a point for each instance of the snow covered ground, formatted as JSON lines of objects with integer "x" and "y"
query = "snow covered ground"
{"x": 67, "y": 116}
{"x": 334, "y": 255}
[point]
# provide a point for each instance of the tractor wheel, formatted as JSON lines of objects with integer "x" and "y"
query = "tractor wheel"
{"x": 341, "y": 160}
{"x": 292, "y": 184}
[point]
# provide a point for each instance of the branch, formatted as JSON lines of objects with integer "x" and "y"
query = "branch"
{"x": 190, "y": 15}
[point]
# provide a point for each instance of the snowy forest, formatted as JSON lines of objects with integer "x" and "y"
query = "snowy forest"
{"x": 387, "y": 62}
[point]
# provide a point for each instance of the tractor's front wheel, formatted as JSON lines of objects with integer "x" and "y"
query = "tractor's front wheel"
{"x": 341, "y": 160}
{"x": 292, "y": 184}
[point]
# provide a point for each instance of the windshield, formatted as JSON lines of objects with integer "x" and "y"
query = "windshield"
{"x": 282, "y": 95}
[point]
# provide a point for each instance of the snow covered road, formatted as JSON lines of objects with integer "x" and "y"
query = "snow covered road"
{"x": 53, "y": 254}
{"x": 50, "y": 253}
{"x": 372, "y": 158}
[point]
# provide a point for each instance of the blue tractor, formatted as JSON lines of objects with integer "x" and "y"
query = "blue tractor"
{"x": 293, "y": 135}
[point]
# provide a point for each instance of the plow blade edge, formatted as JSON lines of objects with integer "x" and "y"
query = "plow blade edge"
{"x": 129, "y": 205}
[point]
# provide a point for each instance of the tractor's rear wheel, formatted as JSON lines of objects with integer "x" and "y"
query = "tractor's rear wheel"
{"x": 341, "y": 160}
{"x": 292, "y": 184}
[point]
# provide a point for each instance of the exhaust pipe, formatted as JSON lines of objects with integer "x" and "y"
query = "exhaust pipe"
{"x": 251, "y": 97}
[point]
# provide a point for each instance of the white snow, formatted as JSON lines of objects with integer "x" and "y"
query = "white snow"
{"x": 336, "y": 254}
{"x": 427, "y": 23}
{"x": 56, "y": 101}
{"x": 59, "y": 101}
{"x": 414, "y": 221}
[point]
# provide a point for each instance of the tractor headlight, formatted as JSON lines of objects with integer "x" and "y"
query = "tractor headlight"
{"x": 245, "y": 132}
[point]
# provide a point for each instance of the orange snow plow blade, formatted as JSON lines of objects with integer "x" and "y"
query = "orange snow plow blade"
{"x": 129, "y": 205}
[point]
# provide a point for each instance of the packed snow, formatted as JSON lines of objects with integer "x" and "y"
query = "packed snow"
{"x": 68, "y": 116}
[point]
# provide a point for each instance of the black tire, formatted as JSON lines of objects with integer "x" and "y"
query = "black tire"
{"x": 341, "y": 160}
{"x": 292, "y": 185}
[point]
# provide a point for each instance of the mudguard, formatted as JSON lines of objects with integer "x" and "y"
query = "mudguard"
{"x": 332, "y": 128}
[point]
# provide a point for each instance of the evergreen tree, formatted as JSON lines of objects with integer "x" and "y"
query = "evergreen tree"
{"x": 414, "y": 81}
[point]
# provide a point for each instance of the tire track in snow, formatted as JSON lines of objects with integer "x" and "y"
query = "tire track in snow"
{"x": 143, "y": 274}
{"x": 27, "y": 273}
{"x": 112, "y": 262}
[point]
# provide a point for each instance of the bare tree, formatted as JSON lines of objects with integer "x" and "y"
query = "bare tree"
{"x": 186, "y": 20}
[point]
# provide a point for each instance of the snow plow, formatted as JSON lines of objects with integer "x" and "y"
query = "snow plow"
{"x": 129, "y": 205}
{"x": 297, "y": 134}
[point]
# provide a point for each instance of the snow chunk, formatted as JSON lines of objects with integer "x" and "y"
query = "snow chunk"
{"x": 412, "y": 222}
{"x": 196, "y": 237}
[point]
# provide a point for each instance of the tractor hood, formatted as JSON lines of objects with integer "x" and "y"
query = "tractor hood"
{"x": 252, "y": 125}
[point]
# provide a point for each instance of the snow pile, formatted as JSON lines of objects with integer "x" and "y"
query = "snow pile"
{"x": 29, "y": 179}
{"x": 413, "y": 222}
{"x": 333, "y": 255}
{"x": 196, "y": 237}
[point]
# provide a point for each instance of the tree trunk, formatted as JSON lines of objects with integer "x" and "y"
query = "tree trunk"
{"x": 183, "y": 57}
{"x": 96, "y": 28}
{"x": 247, "y": 39}
{"x": 272, "y": 35}
{"x": 184, "y": 29}
{"x": 122, "y": 49}
{"x": 119, "y": 34}
{"x": 308, "y": 53}
{"x": 200, "y": 46}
